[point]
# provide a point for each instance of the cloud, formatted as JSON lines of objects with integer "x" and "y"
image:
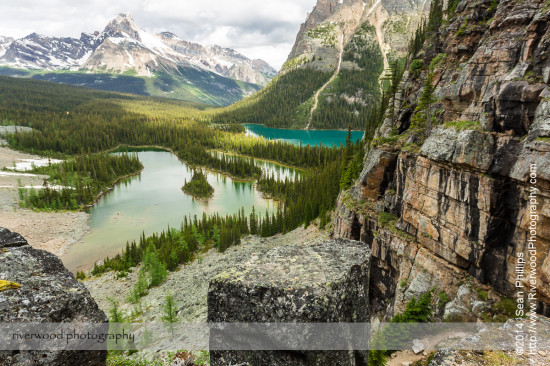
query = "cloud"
{"x": 257, "y": 29}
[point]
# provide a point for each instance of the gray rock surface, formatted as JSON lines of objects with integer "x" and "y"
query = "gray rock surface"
{"x": 48, "y": 293}
{"x": 325, "y": 282}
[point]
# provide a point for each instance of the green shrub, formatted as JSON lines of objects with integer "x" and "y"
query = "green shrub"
{"x": 417, "y": 64}
{"x": 463, "y": 125}
{"x": 493, "y": 7}
{"x": 462, "y": 30}
{"x": 385, "y": 140}
{"x": 482, "y": 293}
{"x": 170, "y": 310}
{"x": 115, "y": 315}
{"x": 140, "y": 288}
{"x": 451, "y": 8}
{"x": 443, "y": 297}
{"x": 385, "y": 218}
{"x": 437, "y": 59}
{"x": 417, "y": 311}
{"x": 506, "y": 306}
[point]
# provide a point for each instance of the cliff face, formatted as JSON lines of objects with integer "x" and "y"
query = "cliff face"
{"x": 449, "y": 204}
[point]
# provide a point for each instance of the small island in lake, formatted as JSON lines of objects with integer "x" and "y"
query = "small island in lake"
{"x": 199, "y": 187}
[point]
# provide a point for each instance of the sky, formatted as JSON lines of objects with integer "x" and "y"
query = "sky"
{"x": 255, "y": 28}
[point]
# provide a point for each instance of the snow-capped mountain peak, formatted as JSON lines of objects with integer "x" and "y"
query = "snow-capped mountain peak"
{"x": 124, "y": 46}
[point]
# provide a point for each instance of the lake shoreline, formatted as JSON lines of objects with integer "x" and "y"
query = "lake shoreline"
{"x": 154, "y": 202}
{"x": 110, "y": 188}
{"x": 260, "y": 159}
{"x": 54, "y": 232}
{"x": 301, "y": 137}
{"x": 57, "y": 232}
{"x": 300, "y": 129}
{"x": 145, "y": 147}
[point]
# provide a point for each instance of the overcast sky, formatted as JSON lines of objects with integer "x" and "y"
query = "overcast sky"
{"x": 257, "y": 29}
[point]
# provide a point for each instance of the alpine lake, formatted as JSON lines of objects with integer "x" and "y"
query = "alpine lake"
{"x": 153, "y": 200}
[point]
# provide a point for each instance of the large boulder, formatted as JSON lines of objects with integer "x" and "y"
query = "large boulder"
{"x": 319, "y": 283}
{"x": 39, "y": 289}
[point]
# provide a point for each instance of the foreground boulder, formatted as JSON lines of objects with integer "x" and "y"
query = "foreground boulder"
{"x": 37, "y": 288}
{"x": 318, "y": 283}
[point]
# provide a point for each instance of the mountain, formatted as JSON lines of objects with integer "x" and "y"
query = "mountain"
{"x": 153, "y": 64}
{"x": 344, "y": 46}
{"x": 4, "y": 44}
{"x": 40, "y": 52}
{"x": 390, "y": 24}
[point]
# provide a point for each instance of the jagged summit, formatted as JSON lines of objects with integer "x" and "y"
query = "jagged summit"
{"x": 123, "y": 26}
{"x": 126, "y": 15}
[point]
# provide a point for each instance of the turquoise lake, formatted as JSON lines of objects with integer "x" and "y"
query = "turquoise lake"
{"x": 153, "y": 200}
{"x": 311, "y": 137}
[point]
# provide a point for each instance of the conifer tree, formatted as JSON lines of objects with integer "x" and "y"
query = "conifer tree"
{"x": 169, "y": 310}
{"x": 253, "y": 222}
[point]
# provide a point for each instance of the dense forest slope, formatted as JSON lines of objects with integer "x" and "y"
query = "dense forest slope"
{"x": 363, "y": 37}
{"x": 448, "y": 197}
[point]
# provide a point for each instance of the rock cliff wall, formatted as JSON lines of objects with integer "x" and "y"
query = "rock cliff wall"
{"x": 448, "y": 203}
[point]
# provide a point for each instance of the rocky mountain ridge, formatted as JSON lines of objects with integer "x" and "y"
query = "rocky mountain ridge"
{"x": 123, "y": 47}
{"x": 393, "y": 22}
{"x": 4, "y": 44}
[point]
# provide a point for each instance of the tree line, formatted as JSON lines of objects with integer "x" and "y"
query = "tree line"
{"x": 78, "y": 182}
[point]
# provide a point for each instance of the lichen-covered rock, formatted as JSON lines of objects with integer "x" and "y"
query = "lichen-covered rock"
{"x": 9, "y": 239}
{"x": 326, "y": 282}
{"x": 46, "y": 293}
{"x": 469, "y": 147}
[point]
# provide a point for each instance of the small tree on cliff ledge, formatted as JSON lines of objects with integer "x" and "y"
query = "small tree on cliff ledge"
{"x": 423, "y": 114}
